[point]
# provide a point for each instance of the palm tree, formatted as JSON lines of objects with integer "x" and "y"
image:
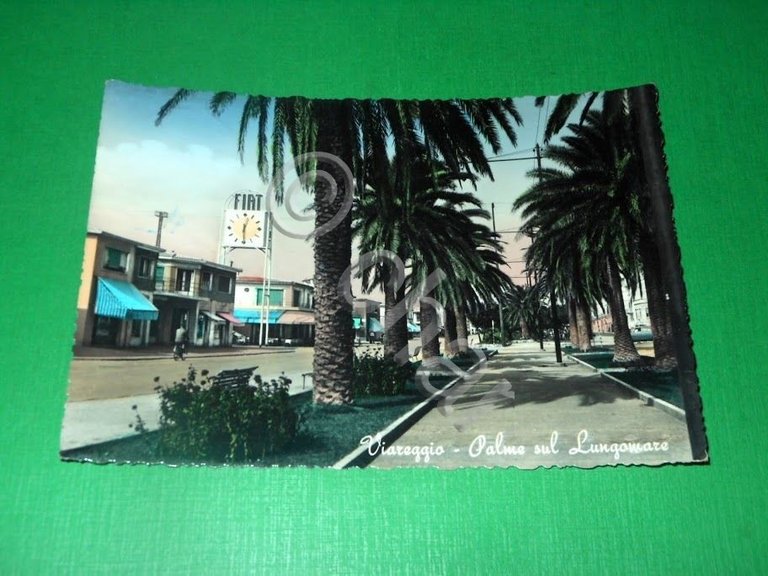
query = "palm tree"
{"x": 481, "y": 284}
{"x": 432, "y": 227}
{"x": 628, "y": 104}
{"x": 352, "y": 130}
{"x": 590, "y": 203}
{"x": 407, "y": 226}
{"x": 523, "y": 309}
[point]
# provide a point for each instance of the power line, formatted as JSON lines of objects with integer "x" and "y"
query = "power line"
{"x": 515, "y": 153}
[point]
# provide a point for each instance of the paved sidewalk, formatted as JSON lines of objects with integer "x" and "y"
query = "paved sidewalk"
{"x": 548, "y": 415}
{"x": 86, "y": 353}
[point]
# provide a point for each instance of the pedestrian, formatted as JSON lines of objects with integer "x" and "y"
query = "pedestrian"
{"x": 180, "y": 342}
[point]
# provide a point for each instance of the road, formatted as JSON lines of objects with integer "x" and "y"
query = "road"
{"x": 107, "y": 379}
{"x": 106, "y": 394}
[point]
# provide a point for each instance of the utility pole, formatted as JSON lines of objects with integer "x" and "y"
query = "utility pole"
{"x": 501, "y": 314}
{"x": 558, "y": 351}
{"x": 160, "y": 217}
{"x": 552, "y": 299}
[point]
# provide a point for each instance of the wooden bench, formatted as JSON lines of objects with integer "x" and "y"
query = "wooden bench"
{"x": 235, "y": 377}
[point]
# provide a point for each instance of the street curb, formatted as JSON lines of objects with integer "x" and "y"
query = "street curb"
{"x": 360, "y": 457}
{"x": 191, "y": 356}
{"x": 649, "y": 399}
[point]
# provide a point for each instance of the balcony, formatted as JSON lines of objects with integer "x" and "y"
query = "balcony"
{"x": 185, "y": 287}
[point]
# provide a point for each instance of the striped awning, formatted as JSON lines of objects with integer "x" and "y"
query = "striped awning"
{"x": 297, "y": 317}
{"x": 229, "y": 318}
{"x": 121, "y": 299}
{"x": 253, "y": 315}
{"x": 212, "y": 316}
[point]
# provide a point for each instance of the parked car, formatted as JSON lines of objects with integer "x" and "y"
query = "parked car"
{"x": 238, "y": 338}
{"x": 642, "y": 335}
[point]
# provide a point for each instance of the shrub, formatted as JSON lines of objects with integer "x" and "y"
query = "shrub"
{"x": 375, "y": 375}
{"x": 204, "y": 420}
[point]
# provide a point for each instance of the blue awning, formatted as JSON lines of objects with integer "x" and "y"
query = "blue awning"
{"x": 374, "y": 325}
{"x": 121, "y": 299}
{"x": 413, "y": 328}
{"x": 253, "y": 315}
{"x": 357, "y": 322}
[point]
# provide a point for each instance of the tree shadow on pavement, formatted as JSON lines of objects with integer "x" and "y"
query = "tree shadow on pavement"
{"x": 535, "y": 387}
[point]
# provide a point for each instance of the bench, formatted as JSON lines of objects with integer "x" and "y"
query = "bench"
{"x": 235, "y": 377}
{"x": 304, "y": 378}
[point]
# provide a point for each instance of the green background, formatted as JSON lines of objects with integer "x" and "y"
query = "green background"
{"x": 708, "y": 60}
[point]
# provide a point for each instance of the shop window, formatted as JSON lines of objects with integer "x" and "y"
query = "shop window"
{"x": 200, "y": 327}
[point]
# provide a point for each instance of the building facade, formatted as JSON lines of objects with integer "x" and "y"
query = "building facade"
{"x": 635, "y": 305}
{"x": 197, "y": 294}
{"x": 288, "y": 309}
{"x": 367, "y": 320}
{"x": 115, "y": 302}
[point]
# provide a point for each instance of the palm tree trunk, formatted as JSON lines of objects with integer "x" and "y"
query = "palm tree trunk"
{"x": 451, "y": 345}
{"x": 430, "y": 343}
{"x": 395, "y": 323}
{"x": 334, "y": 333}
{"x": 624, "y": 350}
{"x": 658, "y": 310}
{"x": 573, "y": 328}
{"x": 583, "y": 323}
{"x": 524, "y": 330}
{"x": 462, "y": 333}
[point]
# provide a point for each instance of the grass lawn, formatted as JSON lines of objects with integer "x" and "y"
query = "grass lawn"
{"x": 659, "y": 383}
{"x": 662, "y": 384}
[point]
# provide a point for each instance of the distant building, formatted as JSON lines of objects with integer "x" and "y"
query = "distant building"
{"x": 115, "y": 302}
{"x": 366, "y": 320}
{"x": 288, "y": 307}
{"x": 635, "y": 305}
{"x": 198, "y": 294}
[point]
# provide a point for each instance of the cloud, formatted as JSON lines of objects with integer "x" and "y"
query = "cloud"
{"x": 132, "y": 180}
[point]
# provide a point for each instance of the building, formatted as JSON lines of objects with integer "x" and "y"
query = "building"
{"x": 288, "y": 307}
{"x": 198, "y": 294}
{"x": 635, "y": 305}
{"x": 366, "y": 320}
{"x": 115, "y": 302}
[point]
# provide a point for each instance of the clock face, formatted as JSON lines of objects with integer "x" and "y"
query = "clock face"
{"x": 244, "y": 229}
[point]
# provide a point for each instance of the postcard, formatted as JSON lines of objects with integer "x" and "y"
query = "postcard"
{"x": 288, "y": 281}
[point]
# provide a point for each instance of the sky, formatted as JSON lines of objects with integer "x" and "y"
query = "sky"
{"x": 189, "y": 167}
